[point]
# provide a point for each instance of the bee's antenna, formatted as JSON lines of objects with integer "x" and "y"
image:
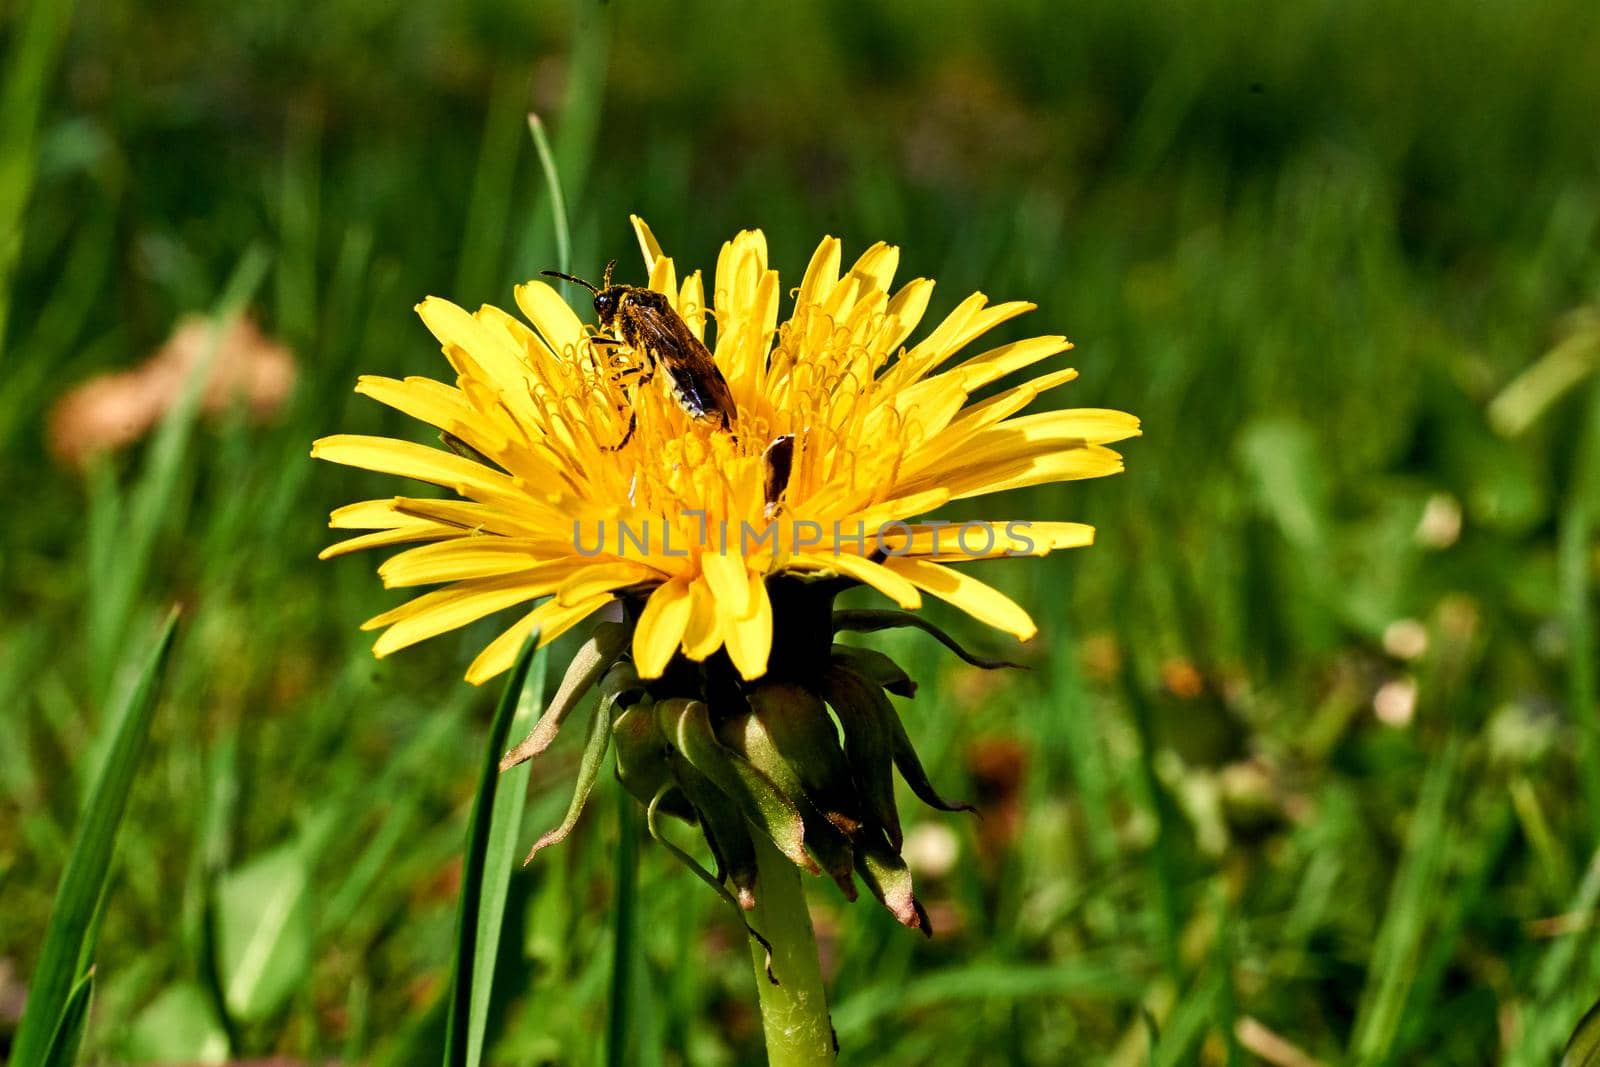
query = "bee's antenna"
{"x": 605, "y": 279}
{"x": 576, "y": 281}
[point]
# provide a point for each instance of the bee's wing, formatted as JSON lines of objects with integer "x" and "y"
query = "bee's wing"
{"x": 696, "y": 379}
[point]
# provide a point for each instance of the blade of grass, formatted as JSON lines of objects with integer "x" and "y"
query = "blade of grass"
{"x": 295, "y": 300}
{"x": 1573, "y": 559}
{"x": 577, "y": 131}
{"x": 68, "y": 1037}
{"x": 1398, "y": 948}
{"x": 125, "y": 557}
{"x": 1082, "y": 747}
{"x": 1554, "y": 980}
{"x": 1101, "y": 976}
{"x": 29, "y": 64}
{"x": 558, "y": 201}
{"x": 625, "y": 933}
{"x": 1164, "y": 892}
{"x": 1583, "y": 1047}
{"x": 464, "y": 989}
{"x": 585, "y": 95}
{"x": 68, "y": 938}
{"x": 510, "y": 797}
{"x": 493, "y": 190}
{"x": 1226, "y": 1009}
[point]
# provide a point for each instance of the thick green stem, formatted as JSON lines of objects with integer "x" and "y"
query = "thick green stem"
{"x": 794, "y": 1013}
{"x": 622, "y": 946}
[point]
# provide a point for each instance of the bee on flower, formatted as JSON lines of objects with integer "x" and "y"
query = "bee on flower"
{"x": 716, "y": 496}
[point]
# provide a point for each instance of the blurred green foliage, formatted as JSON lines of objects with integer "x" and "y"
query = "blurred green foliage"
{"x": 1309, "y": 749}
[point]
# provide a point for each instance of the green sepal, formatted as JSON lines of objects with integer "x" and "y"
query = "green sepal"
{"x": 641, "y": 752}
{"x": 725, "y": 830}
{"x": 903, "y": 753}
{"x": 594, "y": 754}
{"x": 687, "y": 727}
{"x": 788, "y": 736}
{"x": 746, "y": 899}
{"x": 621, "y": 684}
{"x": 868, "y": 743}
{"x": 890, "y": 881}
{"x": 593, "y": 659}
{"x": 871, "y": 620}
{"x": 884, "y": 672}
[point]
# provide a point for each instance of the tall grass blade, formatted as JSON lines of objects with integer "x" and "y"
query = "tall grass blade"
{"x": 125, "y": 556}
{"x": 625, "y": 931}
{"x": 493, "y": 191}
{"x": 469, "y": 997}
{"x": 28, "y": 65}
{"x": 500, "y": 859}
{"x": 68, "y": 1037}
{"x": 69, "y": 937}
{"x": 1574, "y": 553}
{"x": 1583, "y": 1047}
{"x": 1398, "y": 948}
{"x": 558, "y": 201}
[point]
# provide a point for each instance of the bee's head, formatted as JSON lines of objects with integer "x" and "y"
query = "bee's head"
{"x": 607, "y": 297}
{"x": 606, "y": 302}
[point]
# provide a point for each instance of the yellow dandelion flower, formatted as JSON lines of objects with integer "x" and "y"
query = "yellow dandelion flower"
{"x": 583, "y": 479}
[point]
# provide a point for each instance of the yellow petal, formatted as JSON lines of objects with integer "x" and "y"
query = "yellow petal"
{"x": 953, "y": 542}
{"x": 551, "y": 619}
{"x": 461, "y": 558}
{"x": 647, "y": 241}
{"x": 664, "y": 279}
{"x": 692, "y": 305}
{"x": 749, "y": 638}
{"x": 822, "y": 274}
{"x": 371, "y": 515}
{"x": 983, "y": 602}
{"x": 907, "y": 308}
{"x": 996, "y": 363}
{"x": 661, "y": 627}
{"x": 400, "y": 535}
{"x": 962, "y": 478}
{"x": 559, "y": 618}
{"x": 596, "y": 578}
{"x": 727, "y": 577}
{"x": 1044, "y": 434}
{"x": 410, "y": 460}
{"x": 979, "y": 417}
{"x": 493, "y": 351}
{"x": 473, "y": 517}
{"x": 1092, "y": 461}
{"x": 501, "y": 653}
{"x": 877, "y": 265}
{"x": 879, "y": 577}
{"x": 968, "y": 321}
{"x": 900, "y": 508}
{"x": 424, "y": 399}
{"x": 703, "y": 634}
{"x": 450, "y": 608}
{"x": 1096, "y": 426}
{"x": 1008, "y": 402}
{"x": 550, "y": 315}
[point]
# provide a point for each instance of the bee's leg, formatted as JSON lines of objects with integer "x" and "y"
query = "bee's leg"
{"x": 633, "y": 424}
{"x": 607, "y": 347}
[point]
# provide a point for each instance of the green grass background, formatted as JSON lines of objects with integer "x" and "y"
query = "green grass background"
{"x": 1322, "y": 249}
